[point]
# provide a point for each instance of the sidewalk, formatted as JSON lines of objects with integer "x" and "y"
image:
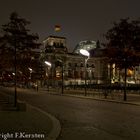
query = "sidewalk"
{"x": 30, "y": 124}
{"x": 117, "y": 97}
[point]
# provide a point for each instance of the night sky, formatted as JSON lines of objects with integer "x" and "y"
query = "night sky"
{"x": 79, "y": 19}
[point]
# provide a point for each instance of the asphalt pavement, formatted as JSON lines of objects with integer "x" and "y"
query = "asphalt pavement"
{"x": 38, "y": 123}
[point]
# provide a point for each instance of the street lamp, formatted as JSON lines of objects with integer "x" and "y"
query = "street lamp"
{"x": 62, "y": 79}
{"x": 48, "y": 64}
{"x": 30, "y": 71}
{"x": 30, "y": 75}
{"x": 85, "y": 53}
{"x": 62, "y": 72}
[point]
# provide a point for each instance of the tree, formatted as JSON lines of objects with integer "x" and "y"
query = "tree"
{"x": 17, "y": 44}
{"x": 123, "y": 45}
{"x": 16, "y": 35}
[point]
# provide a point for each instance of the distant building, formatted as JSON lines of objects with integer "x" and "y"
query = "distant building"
{"x": 98, "y": 68}
{"x": 55, "y": 44}
{"x": 56, "y": 52}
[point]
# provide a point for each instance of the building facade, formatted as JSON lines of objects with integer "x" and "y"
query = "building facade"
{"x": 70, "y": 68}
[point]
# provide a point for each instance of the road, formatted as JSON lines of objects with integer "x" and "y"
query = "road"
{"x": 86, "y": 119}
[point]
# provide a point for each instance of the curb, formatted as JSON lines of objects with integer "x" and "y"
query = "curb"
{"x": 55, "y": 122}
{"x": 107, "y": 100}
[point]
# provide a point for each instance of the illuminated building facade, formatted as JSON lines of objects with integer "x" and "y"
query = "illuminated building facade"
{"x": 117, "y": 75}
{"x": 71, "y": 65}
{"x": 54, "y": 44}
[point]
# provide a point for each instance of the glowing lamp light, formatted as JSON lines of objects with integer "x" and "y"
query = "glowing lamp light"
{"x": 48, "y": 63}
{"x": 84, "y": 52}
{"x": 30, "y": 69}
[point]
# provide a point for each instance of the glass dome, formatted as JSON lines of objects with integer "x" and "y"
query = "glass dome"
{"x": 86, "y": 45}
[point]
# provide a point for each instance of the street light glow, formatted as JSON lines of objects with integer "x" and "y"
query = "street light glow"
{"x": 48, "y": 63}
{"x": 84, "y": 52}
{"x": 30, "y": 69}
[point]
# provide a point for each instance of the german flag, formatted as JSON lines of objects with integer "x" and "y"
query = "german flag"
{"x": 57, "y": 28}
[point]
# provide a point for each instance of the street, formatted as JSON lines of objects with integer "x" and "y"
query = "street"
{"x": 87, "y": 119}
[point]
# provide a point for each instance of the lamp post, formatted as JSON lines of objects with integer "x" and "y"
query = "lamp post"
{"x": 30, "y": 76}
{"x": 86, "y": 54}
{"x": 15, "y": 80}
{"x": 62, "y": 72}
{"x": 48, "y": 64}
{"x": 30, "y": 72}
